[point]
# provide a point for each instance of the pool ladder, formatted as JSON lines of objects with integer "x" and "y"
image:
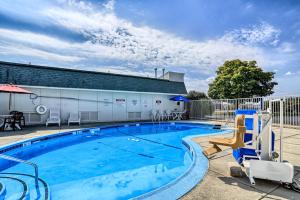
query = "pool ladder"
{"x": 36, "y": 170}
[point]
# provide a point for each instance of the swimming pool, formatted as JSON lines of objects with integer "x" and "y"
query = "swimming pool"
{"x": 115, "y": 162}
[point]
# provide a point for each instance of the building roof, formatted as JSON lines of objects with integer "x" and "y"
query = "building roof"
{"x": 34, "y": 75}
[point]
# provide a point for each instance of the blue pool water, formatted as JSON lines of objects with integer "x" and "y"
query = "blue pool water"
{"x": 106, "y": 163}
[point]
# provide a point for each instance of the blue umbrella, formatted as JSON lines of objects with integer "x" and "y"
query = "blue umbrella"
{"x": 180, "y": 98}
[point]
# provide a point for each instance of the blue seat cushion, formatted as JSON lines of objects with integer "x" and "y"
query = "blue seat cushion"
{"x": 240, "y": 152}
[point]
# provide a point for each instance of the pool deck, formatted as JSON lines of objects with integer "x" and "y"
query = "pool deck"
{"x": 217, "y": 184}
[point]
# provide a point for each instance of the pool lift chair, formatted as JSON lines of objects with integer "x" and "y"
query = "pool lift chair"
{"x": 256, "y": 153}
{"x": 235, "y": 142}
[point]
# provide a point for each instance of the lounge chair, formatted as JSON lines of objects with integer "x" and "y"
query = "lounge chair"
{"x": 236, "y": 142}
{"x": 54, "y": 117}
{"x": 74, "y": 118}
{"x": 168, "y": 114}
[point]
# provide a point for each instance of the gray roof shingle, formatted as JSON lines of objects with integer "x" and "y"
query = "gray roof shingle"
{"x": 34, "y": 75}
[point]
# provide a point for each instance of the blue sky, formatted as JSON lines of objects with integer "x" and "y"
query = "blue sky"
{"x": 135, "y": 36}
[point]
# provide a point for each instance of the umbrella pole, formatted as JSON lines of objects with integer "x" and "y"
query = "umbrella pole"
{"x": 9, "y": 102}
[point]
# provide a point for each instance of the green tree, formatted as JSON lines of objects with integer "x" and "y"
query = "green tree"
{"x": 195, "y": 95}
{"x": 241, "y": 79}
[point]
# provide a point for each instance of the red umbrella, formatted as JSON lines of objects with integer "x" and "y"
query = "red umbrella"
{"x": 10, "y": 88}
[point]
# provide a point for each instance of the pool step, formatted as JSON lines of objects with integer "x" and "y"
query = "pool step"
{"x": 22, "y": 186}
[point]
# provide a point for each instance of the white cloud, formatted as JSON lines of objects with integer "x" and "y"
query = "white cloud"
{"x": 210, "y": 79}
{"x": 110, "y": 5}
{"x": 27, "y": 51}
{"x": 32, "y": 39}
{"x": 289, "y": 73}
{"x": 198, "y": 84}
{"x": 79, "y": 4}
{"x": 263, "y": 33}
{"x": 109, "y": 37}
{"x": 147, "y": 46}
{"x": 286, "y": 47}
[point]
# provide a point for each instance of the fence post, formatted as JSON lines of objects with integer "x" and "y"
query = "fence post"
{"x": 281, "y": 128}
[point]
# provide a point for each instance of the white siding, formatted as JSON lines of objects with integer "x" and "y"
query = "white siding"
{"x": 94, "y": 106}
{"x": 119, "y": 107}
{"x": 105, "y": 106}
{"x": 146, "y": 105}
{"x": 69, "y": 103}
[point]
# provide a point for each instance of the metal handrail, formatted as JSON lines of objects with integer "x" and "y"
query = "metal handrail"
{"x": 36, "y": 170}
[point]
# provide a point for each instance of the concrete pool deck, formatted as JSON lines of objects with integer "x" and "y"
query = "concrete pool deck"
{"x": 217, "y": 184}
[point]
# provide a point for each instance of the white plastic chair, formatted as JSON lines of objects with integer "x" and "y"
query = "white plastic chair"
{"x": 168, "y": 114}
{"x": 54, "y": 117}
{"x": 74, "y": 118}
{"x": 153, "y": 115}
{"x": 164, "y": 115}
{"x": 160, "y": 115}
{"x": 180, "y": 115}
